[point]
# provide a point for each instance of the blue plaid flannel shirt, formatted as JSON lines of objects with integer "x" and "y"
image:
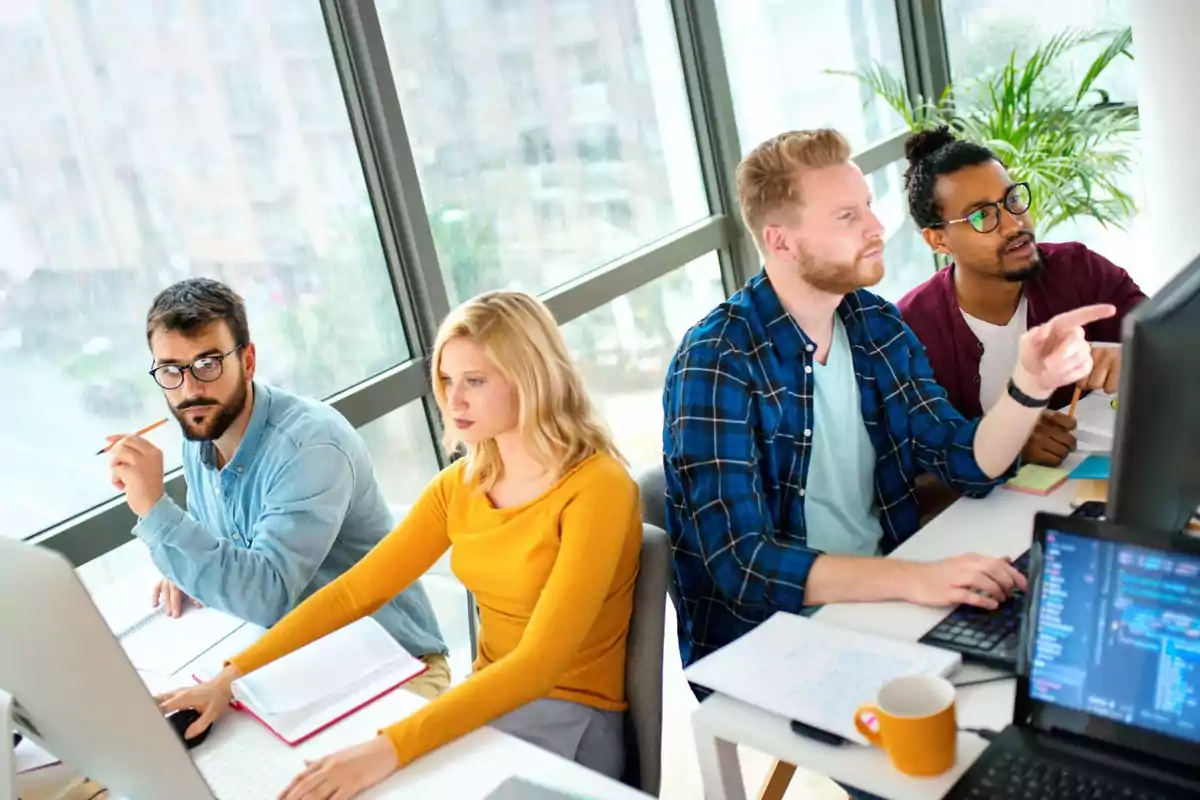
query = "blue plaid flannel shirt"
{"x": 738, "y": 419}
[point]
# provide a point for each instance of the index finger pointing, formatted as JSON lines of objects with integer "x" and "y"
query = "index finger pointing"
{"x": 1084, "y": 316}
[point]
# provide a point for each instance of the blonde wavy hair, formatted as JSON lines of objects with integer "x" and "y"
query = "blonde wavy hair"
{"x": 519, "y": 336}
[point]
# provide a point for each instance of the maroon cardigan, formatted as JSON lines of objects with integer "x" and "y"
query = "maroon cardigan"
{"x": 1074, "y": 276}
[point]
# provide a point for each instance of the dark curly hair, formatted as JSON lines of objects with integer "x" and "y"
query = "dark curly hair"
{"x": 931, "y": 154}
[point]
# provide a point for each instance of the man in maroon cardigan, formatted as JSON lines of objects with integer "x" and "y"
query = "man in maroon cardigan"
{"x": 971, "y": 314}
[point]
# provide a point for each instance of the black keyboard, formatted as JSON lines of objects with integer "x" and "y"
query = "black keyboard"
{"x": 983, "y": 636}
{"x": 1007, "y": 775}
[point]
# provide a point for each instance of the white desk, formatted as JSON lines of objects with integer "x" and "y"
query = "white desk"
{"x": 470, "y": 767}
{"x": 999, "y": 525}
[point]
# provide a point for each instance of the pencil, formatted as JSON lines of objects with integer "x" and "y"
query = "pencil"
{"x": 144, "y": 430}
{"x": 1074, "y": 402}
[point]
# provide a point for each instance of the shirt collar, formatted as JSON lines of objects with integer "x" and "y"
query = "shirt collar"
{"x": 251, "y": 439}
{"x": 785, "y": 335}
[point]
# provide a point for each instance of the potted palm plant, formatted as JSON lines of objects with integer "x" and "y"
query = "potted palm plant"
{"x": 1070, "y": 142}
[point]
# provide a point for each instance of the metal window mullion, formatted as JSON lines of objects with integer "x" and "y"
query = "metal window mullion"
{"x": 395, "y": 189}
{"x": 393, "y": 182}
{"x": 923, "y": 47}
{"x": 710, "y": 98}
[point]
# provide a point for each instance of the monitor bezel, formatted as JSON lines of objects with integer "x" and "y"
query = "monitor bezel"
{"x": 1048, "y": 717}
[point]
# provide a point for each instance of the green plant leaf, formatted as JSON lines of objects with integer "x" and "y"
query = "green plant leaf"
{"x": 1074, "y": 155}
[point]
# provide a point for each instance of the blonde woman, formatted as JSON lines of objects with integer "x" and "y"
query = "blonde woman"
{"x": 545, "y": 527}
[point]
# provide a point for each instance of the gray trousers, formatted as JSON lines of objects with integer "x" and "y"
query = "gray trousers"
{"x": 588, "y": 736}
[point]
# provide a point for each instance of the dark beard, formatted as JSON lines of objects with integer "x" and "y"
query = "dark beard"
{"x": 220, "y": 423}
{"x": 1022, "y": 275}
{"x": 1025, "y": 273}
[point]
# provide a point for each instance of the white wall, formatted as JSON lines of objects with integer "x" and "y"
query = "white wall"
{"x": 1166, "y": 43}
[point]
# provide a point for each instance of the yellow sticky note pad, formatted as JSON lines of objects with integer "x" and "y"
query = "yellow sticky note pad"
{"x": 1036, "y": 479}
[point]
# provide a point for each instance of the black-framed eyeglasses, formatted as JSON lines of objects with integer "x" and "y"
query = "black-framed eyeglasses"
{"x": 205, "y": 369}
{"x": 986, "y": 218}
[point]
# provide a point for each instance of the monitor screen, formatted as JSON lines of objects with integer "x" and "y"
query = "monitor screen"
{"x": 1117, "y": 634}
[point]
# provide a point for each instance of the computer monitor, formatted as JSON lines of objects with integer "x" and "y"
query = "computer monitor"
{"x": 75, "y": 692}
{"x": 1155, "y": 481}
{"x": 1111, "y": 637}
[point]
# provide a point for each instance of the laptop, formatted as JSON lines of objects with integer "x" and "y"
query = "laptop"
{"x": 1108, "y": 684}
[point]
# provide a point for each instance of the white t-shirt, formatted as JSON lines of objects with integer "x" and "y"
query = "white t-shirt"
{"x": 1001, "y": 346}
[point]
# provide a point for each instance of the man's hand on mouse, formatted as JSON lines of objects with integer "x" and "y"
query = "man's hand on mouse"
{"x": 210, "y": 698}
{"x": 172, "y": 597}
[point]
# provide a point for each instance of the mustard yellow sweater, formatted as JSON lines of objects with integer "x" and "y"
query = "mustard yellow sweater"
{"x": 553, "y": 579}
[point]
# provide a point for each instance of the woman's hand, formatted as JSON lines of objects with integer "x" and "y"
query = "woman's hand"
{"x": 345, "y": 773}
{"x": 210, "y": 698}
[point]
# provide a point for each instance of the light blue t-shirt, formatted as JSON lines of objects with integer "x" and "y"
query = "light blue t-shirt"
{"x": 841, "y": 514}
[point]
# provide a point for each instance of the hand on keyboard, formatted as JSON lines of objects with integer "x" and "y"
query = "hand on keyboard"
{"x": 969, "y": 579}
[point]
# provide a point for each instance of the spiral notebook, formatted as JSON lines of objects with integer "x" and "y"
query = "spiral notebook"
{"x": 152, "y": 641}
{"x": 306, "y": 691}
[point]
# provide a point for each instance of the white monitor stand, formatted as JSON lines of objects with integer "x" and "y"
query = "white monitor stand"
{"x": 8, "y": 758}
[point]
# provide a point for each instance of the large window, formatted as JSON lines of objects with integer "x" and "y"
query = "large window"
{"x": 981, "y": 34}
{"x": 778, "y": 53}
{"x": 141, "y": 143}
{"x": 623, "y": 349}
{"x": 549, "y": 137}
{"x": 907, "y": 259}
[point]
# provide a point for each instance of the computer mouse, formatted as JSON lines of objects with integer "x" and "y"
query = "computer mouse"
{"x": 182, "y": 720}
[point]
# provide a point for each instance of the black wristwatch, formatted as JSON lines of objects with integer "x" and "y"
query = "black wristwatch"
{"x": 1024, "y": 399}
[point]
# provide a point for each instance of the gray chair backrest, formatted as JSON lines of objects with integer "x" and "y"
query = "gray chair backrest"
{"x": 644, "y": 663}
{"x": 653, "y": 487}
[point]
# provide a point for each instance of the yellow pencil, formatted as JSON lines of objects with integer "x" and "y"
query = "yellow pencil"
{"x": 143, "y": 431}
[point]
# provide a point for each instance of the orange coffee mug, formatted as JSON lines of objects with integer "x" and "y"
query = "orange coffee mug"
{"x": 917, "y": 726}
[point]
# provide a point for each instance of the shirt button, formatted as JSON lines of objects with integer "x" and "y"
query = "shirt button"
{"x": 241, "y": 470}
{"x": 809, "y": 348}
{"x": 807, "y": 433}
{"x": 802, "y": 491}
{"x": 808, "y": 369}
{"x": 978, "y": 343}
{"x": 976, "y": 379}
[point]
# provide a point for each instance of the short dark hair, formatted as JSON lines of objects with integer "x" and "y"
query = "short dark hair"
{"x": 195, "y": 303}
{"x": 930, "y": 154}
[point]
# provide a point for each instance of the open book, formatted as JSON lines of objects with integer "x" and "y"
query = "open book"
{"x": 815, "y": 672}
{"x": 308, "y": 690}
{"x": 154, "y": 642}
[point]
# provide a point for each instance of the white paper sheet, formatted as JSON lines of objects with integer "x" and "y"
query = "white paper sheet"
{"x": 814, "y": 672}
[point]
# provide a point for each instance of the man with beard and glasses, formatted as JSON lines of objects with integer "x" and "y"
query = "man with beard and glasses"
{"x": 798, "y": 414}
{"x": 971, "y": 315}
{"x": 281, "y": 493}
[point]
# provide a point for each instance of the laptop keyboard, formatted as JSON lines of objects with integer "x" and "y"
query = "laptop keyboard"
{"x": 1009, "y": 776}
{"x": 987, "y": 636}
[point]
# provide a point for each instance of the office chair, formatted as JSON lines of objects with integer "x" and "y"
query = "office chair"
{"x": 653, "y": 486}
{"x": 644, "y": 664}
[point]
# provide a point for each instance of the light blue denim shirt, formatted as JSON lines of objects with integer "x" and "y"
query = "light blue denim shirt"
{"x": 296, "y": 506}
